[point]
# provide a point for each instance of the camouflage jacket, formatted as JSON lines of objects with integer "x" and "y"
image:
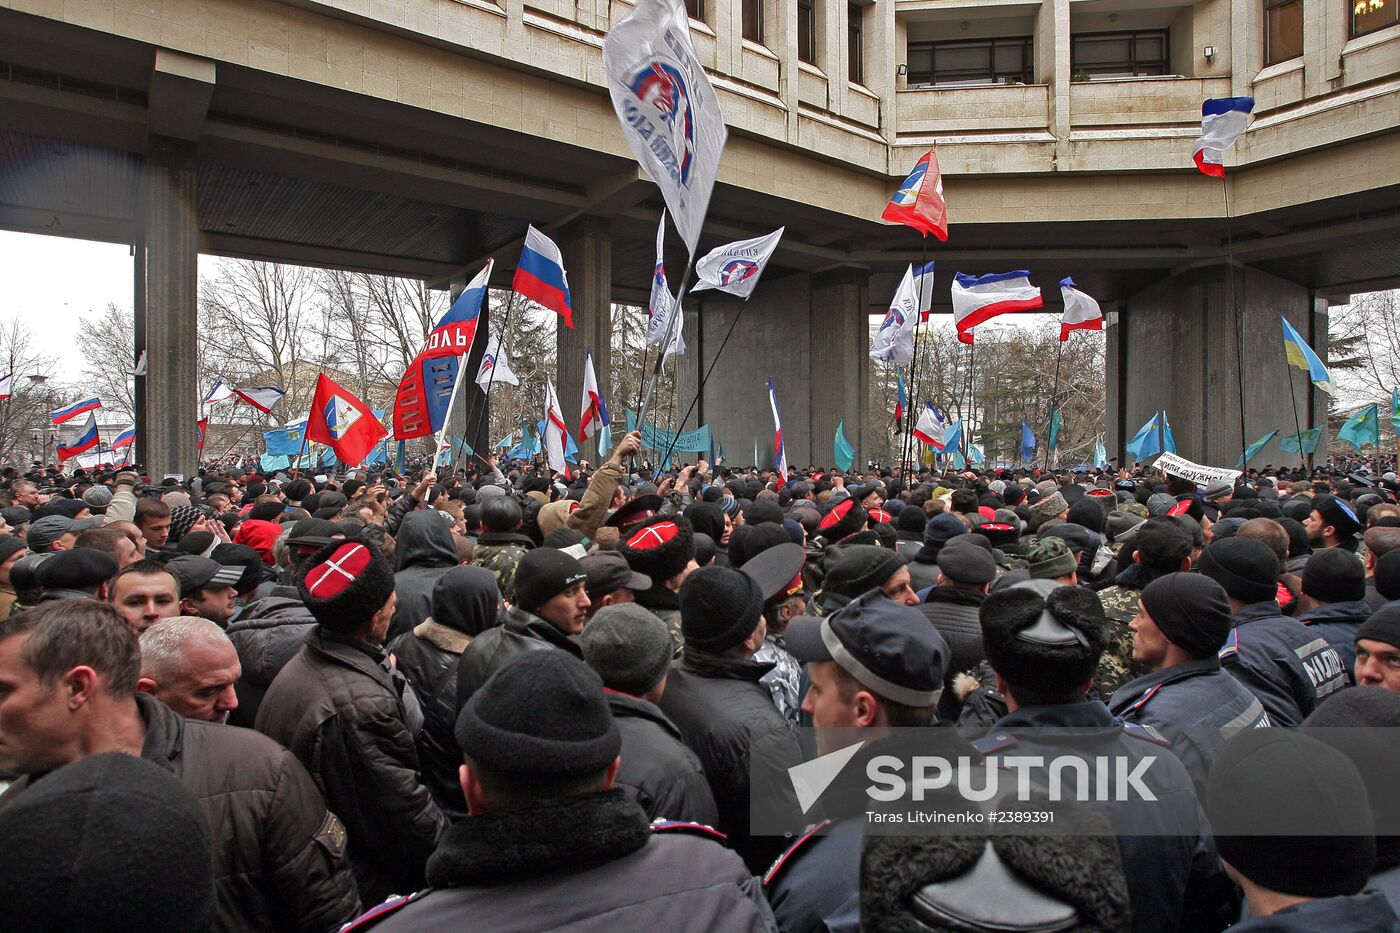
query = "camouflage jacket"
{"x": 500, "y": 553}
{"x": 1120, "y": 605}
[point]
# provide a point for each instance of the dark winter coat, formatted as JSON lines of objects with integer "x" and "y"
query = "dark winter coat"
{"x": 658, "y": 770}
{"x": 423, "y": 552}
{"x": 466, "y": 602}
{"x": 335, "y": 707}
{"x": 1338, "y": 622}
{"x": 953, "y": 611}
{"x": 583, "y": 864}
{"x": 279, "y": 854}
{"x": 1368, "y": 912}
{"x": 1289, "y": 668}
{"x": 267, "y": 634}
{"x": 722, "y": 712}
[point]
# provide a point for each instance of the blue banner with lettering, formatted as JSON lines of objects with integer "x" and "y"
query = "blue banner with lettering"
{"x": 660, "y": 439}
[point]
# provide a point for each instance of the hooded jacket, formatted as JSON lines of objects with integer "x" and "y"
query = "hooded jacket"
{"x": 466, "y": 602}
{"x": 423, "y": 552}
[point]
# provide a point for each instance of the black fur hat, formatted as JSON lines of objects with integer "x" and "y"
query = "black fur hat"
{"x": 660, "y": 547}
{"x": 345, "y": 583}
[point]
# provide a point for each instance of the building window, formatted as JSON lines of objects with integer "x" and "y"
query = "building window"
{"x": 970, "y": 62}
{"x": 807, "y": 31}
{"x": 1283, "y": 30}
{"x": 855, "y": 41}
{"x": 1370, "y": 15}
{"x": 1119, "y": 54}
{"x": 696, "y": 9}
{"x": 753, "y": 20}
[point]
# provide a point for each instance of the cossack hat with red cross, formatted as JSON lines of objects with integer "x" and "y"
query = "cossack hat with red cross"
{"x": 660, "y": 547}
{"x": 345, "y": 583}
{"x": 842, "y": 520}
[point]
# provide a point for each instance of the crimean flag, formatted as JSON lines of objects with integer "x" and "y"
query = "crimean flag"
{"x": 84, "y": 442}
{"x": 425, "y": 391}
{"x": 219, "y": 393}
{"x": 779, "y": 451}
{"x": 1082, "y": 312}
{"x": 1300, "y": 355}
{"x": 919, "y": 201}
{"x": 76, "y": 409}
{"x": 342, "y": 422}
{"x": 979, "y": 298}
{"x": 1223, "y": 121}
{"x": 263, "y": 398}
{"x": 7, "y": 386}
{"x": 931, "y": 428}
{"x": 540, "y": 276}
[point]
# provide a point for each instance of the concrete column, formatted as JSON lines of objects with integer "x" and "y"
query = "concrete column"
{"x": 138, "y": 319}
{"x": 588, "y": 259}
{"x": 170, "y": 273}
{"x": 1052, "y": 66}
{"x": 840, "y": 382}
{"x": 1175, "y": 350}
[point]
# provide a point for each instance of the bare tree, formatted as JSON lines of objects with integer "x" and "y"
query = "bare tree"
{"x": 106, "y": 339}
{"x": 25, "y": 429}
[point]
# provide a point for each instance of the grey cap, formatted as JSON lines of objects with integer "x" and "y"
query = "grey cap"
{"x": 98, "y": 497}
{"x": 202, "y": 573}
{"x": 45, "y": 531}
{"x": 1218, "y": 489}
{"x": 628, "y": 647}
{"x": 1159, "y": 503}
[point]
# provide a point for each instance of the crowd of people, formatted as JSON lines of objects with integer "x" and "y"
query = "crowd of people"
{"x": 494, "y": 698}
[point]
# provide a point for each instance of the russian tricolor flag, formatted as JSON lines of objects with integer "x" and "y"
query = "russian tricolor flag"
{"x": 540, "y": 276}
{"x": 779, "y": 451}
{"x": 85, "y": 441}
{"x": 1223, "y": 121}
{"x": 76, "y": 409}
{"x": 979, "y": 298}
{"x": 124, "y": 439}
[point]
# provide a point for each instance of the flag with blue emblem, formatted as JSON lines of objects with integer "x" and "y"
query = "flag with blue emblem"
{"x": 667, "y": 110}
{"x": 342, "y": 422}
{"x": 919, "y": 203}
{"x": 735, "y": 267}
{"x": 1147, "y": 441}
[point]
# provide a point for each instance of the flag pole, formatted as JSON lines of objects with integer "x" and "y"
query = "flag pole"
{"x": 673, "y": 316}
{"x": 1054, "y": 397}
{"x": 1297, "y": 424}
{"x": 485, "y": 412}
{"x": 1235, "y": 309}
{"x": 908, "y": 449}
{"x": 971, "y": 391}
{"x": 699, "y": 392}
{"x": 296, "y": 470}
{"x": 451, "y": 406}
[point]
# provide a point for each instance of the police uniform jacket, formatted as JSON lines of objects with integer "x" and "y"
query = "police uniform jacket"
{"x": 1289, "y": 668}
{"x": 1169, "y": 859}
{"x": 589, "y": 863}
{"x": 1196, "y": 705}
{"x": 1338, "y": 622}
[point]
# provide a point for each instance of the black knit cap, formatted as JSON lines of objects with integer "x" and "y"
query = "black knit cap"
{"x": 1192, "y": 611}
{"x": 852, "y": 569}
{"x": 1310, "y": 802}
{"x": 544, "y": 573}
{"x": 266, "y": 511}
{"x": 720, "y": 607}
{"x": 542, "y": 715}
{"x": 1333, "y": 575}
{"x": 748, "y": 541}
{"x": 109, "y": 842}
{"x": 842, "y": 519}
{"x": 1245, "y": 567}
{"x": 1052, "y": 643}
{"x": 1382, "y": 626}
{"x": 660, "y": 547}
{"x": 345, "y": 583}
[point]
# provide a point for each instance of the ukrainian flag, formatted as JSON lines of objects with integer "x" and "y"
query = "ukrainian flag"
{"x": 1299, "y": 354}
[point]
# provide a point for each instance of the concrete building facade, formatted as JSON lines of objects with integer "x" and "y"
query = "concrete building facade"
{"x": 418, "y": 137}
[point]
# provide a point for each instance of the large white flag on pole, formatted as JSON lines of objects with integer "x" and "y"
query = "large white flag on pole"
{"x": 894, "y": 341}
{"x": 667, "y": 109}
{"x": 494, "y": 366}
{"x": 736, "y": 267}
{"x": 659, "y": 307}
